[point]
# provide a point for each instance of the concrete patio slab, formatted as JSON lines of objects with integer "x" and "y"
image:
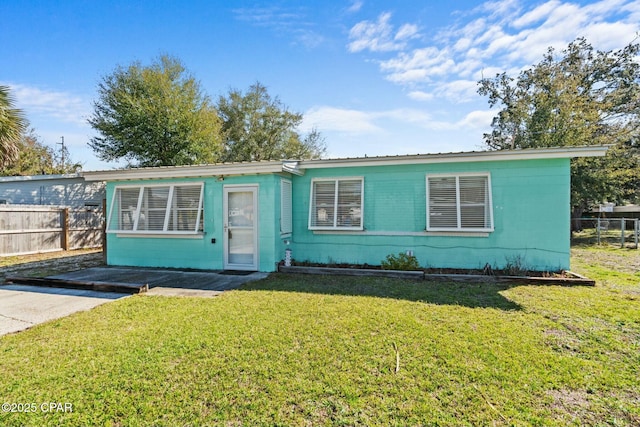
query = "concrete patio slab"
{"x": 22, "y": 306}
{"x": 167, "y": 282}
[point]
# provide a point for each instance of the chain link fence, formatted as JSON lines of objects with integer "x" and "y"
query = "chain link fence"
{"x": 620, "y": 232}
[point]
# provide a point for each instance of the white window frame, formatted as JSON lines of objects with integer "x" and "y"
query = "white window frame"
{"x": 286, "y": 207}
{"x": 459, "y": 228}
{"x": 168, "y": 210}
{"x": 336, "y": 226}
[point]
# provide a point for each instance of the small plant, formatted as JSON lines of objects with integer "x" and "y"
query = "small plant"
{"x": 400, "y": 262}
{"x": 515, "y": 266}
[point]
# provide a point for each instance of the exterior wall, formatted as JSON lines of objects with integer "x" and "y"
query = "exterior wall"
{"x": 57, "y": 190}
{"x": 530, "y": 202}
{"x": 199, "y": 251}
{"x": 530, "y": 210}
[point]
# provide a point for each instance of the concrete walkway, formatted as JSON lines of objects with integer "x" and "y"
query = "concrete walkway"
{"x": 23, "y": 306}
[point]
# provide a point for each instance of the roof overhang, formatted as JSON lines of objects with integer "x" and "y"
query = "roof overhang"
{"x": 298, "y": 167}
{"x": 222, "y": 169}
{"x": 463, "y": 157}
{"x": 39, "y": 177}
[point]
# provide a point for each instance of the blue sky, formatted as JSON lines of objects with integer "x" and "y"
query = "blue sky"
{"x": 374, "y": 77}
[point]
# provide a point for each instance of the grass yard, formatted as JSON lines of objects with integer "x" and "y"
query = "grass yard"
{"x": 307, "y": 350}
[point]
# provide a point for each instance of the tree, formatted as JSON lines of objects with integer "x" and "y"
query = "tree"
{"x": 36, "y": 158}
{"x": 256, "y": 126}
{"x": 584, "y": 97}
{"x": 12, "y": 124}
{"x": 155, "y": 115}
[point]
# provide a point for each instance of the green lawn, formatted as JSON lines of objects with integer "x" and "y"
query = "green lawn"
{"x": 306, "y": 350}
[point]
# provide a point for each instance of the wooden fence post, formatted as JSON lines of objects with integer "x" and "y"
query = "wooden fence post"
{"x": 65, "y": 229}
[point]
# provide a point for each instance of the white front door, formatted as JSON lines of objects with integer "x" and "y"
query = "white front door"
{"x": 241, "y": 227}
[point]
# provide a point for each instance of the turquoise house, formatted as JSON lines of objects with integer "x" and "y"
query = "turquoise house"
{"x": 454, "y": 210}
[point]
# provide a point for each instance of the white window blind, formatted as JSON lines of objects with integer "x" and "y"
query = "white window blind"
{"x": 336, "y": 204}
{"x": 286, "y": 222}
{"x": 459, "y": 203}
{"x": 151, "y": 209}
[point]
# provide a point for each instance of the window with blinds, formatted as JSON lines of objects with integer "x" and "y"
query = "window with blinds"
{"x": 336, "y": 204}
{"x": 459, "y": 203}
{"x": 153, "y": 209}
{"x": 286, "y": 222}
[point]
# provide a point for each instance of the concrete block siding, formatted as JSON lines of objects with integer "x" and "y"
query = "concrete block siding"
{"x": 530, "y": 205}
{"x": 530, "y": 208}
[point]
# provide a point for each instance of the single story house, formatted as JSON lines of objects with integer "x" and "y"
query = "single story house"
{"x": 455, "y": 210}
{"x": 52, "y": 190}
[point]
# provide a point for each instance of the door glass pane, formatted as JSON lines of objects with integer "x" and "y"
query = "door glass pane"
{"x": 241, "y": 246}
{"x": 241, "y": 209}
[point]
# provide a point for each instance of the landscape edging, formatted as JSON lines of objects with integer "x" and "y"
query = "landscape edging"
{"x": 472, "y": 278}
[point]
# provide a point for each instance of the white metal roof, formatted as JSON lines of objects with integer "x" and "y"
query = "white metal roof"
{"x": 38, "y": 177}
{"x": 298, "y": 167}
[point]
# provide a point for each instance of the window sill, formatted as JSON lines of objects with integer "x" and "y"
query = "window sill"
{"x": 458, "y": 233}
{"x": 406, "y": 233}
{"x": 336, "y": 230}
{"x": 175, "y": 235}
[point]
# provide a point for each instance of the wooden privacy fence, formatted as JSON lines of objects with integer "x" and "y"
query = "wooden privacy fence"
{"x": 26, "y": 229}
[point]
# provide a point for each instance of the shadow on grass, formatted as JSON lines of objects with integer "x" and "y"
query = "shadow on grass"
{"x": 474, "y": 295}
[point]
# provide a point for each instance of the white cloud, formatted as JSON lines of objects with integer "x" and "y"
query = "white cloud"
{"x": 380, "y": 36}
{"x": 419, "y": 95}
{"x": 536, "y": 15}
{"x": 419, "y": 65}
{"x": 459, "y": 90}
{"x": 327, "y": 119}
{"x": 478, "y": 119}
{"x": 334, "y": 119}
{"x": 497, "y": 36}
{"x": 338, "y": 119}
{"x": 355, "y": 6}
{"x": 406, "y": 115}
{"x": 60, "y": 105}
{"x": 293, "y": 22}
{"x": 406, "y": 32}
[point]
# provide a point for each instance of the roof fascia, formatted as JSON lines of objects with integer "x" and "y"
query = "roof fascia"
{"x": 185, "y": 171}
{"x": 39, "y": 177}
{"x": 465, "y": 157}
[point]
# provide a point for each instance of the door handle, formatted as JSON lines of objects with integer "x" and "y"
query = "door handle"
{"x": 229, "y": 233}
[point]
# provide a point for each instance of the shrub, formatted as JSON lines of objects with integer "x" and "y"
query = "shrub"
{"x": 400, "y": 262}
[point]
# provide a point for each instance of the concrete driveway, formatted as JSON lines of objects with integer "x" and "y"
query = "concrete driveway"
{"x": 22, "y": 306}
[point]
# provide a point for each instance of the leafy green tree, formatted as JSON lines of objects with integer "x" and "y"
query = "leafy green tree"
{"x": 12, "y": 124}
{"x": 154, "y": 115}
{"x": 36, "y": 158}
{"x": 256, "y": 126}
{"x": 583, "y": 97}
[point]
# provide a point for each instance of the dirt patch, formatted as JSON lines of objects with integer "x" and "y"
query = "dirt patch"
{"x": 574, "y": 403}
{"x": 623, "y": 260}
{"x": 49, "y": 263}
{"x": 586, "y": 409}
